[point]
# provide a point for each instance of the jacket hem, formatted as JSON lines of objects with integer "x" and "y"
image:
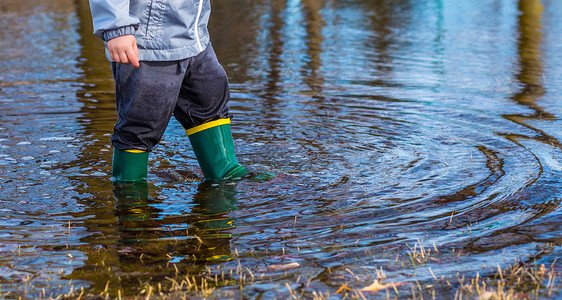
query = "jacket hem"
{"x": 191, "y": 50}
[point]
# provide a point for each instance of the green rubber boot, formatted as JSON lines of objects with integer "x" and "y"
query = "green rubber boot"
{"x": 129, "y": 165}
{"x": 214, "y": 150}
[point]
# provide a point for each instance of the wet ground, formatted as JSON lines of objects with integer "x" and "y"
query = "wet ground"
{"x": 390, "y": 125}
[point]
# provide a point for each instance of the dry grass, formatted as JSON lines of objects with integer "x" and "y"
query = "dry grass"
{"x": 420, "y": 255}
{"x": 517, "y": 281}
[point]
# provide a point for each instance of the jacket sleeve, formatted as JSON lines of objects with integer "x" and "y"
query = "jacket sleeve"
{"x": 111, "y": 18}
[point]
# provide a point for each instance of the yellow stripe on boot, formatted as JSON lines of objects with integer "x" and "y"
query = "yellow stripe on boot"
{"x": 206, "y": 125}
{"x": 134, "y": 151}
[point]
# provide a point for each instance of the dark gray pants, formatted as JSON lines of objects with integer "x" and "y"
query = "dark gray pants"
{"x": 194, "y": 90}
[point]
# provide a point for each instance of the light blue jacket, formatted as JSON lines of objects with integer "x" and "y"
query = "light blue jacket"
{"x": 165, "y": 30}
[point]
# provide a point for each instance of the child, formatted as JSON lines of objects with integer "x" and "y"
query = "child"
{"x": 163, "y": 64}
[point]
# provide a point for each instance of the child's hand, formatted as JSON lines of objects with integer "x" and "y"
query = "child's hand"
{"x": 124, "y": 50}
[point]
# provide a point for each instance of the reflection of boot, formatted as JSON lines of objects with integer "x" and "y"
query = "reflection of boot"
{"x": 213, "y": 201}
{"x": 132, "y": 201}
{"x": 214, "y": 149}
{"x": 129, "y": 165}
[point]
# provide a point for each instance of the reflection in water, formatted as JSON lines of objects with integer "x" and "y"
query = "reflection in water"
{"x": 530, "y": 41}
{"x": 389, "y": 124}
{"x": 530, "y": 74}
{"x": 148, "y": 243}
{"x": 97, "y": 96}
{"x": 313, "y": 39}
{"x": 530, "y": 77}
{"x": 140, "y": 222}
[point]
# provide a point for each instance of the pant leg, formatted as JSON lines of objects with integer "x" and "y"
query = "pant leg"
{"x": 204, "y": 93}
{"x": 145, "y": 99}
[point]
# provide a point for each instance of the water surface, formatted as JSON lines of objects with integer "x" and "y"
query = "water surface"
{"x": 388, "y": 124}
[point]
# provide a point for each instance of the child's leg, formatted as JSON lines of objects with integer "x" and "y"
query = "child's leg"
{"x": 202, "y": 109}
{"x": 205, "y": 93}
{"x": 145, "y": 98}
